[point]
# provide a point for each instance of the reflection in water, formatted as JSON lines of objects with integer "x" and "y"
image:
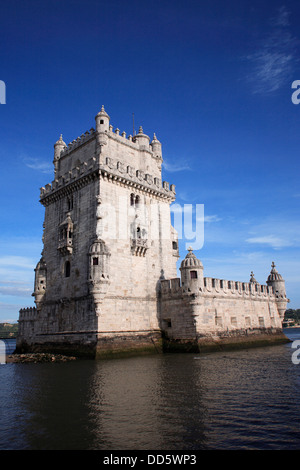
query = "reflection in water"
{"x": 143, "y": 403}
{"x": 233, "y": 400}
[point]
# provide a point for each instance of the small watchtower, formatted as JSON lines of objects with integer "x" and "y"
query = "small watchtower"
{"x": 191, "y": 269}
{"x": 277, "y": 283}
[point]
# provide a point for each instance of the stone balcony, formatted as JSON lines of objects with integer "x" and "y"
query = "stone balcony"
{"x": 139, "y": 246}
{"x": 65, "y": 246}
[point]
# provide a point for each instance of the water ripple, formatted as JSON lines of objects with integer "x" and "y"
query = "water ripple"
{"x": 246, "y": 399}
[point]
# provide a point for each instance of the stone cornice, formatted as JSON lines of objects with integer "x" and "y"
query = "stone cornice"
{"x": 112, "y": 171}
{"x": 69, "y": 188}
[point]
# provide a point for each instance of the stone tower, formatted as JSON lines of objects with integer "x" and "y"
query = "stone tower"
{"x": 107, "y": 240}
{"x": 277, "y": 283}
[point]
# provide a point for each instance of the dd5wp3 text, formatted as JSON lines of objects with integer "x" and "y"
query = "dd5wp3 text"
{"x": 151, "y": 459}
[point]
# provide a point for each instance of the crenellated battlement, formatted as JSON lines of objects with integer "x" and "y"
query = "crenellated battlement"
{"x": 84, "y": 157}
{"x": 218, "y": 287}
{"x": 87, "y": 136}
{"x": 110, "y": 168}
{"x": 139, "y": 141}
{"x": 170, "y": 286}
{"x": 81, "y": 140}
{"x": 131, "y": 140}
{"x": 29, "y": 313}
{"x": 75, "y": 174}
{"x": 236, "y": 287}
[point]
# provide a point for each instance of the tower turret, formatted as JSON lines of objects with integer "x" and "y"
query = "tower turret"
{"x": 58, "y": 148}
{"x": 99, "y": 256}
{"x": 40, "y": 282}
{"x": 102, "y": 126}
{"x": 191, "y": 272}
{"x": 142, "y": 139}
{"x": 156, "y": 147}
{"x": 277, "y": 283}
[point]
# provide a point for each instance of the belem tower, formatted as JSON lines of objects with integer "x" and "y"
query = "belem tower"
{"x": 107, "y": 283}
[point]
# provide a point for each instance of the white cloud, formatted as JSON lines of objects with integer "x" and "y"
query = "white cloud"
{"x": 282, "y": 17}
{"x": 16, "y": 261}
{"x": 271, "y": 240}
{"x": 175, "y": 167}
{"x": 273, "y": 61}
{"x": 276, "y": 232}
{"x": 15, "y": 290}
{"x": 39, "y": 165}
{"x": 212, "y": 218}
{"x": 18, "y": 258}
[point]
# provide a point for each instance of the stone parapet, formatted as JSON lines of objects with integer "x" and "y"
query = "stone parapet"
{"x": 236, "y": 288}
{"x": 70, "y": 181}
{"x": 132, "y": 141}
{"x": 115, "y": 171}
{"x": 76, "y": 143}
{"x": 111, "y": 169}
{"x": 29, "y": 313}
{"x": 219, "y": 287}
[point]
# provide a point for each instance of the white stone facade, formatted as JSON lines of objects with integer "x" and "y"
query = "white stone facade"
{"x": 107, "y": 279}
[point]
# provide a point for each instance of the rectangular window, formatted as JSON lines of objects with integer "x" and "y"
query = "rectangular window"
{"x": 67, "y": 269}
{"x": 167, "y": 323}
{"x": 193, "y": 275}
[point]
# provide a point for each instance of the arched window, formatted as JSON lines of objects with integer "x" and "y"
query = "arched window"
{"x": 134, "y": 200}
{"x": 67, "y": 269}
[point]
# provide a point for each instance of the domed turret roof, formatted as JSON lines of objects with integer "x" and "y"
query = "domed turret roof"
{"x": 60, "y": 142}
{"x": 191, "y": 261}
{"x": 141, "y": 134}
{"x": 103, "y": 112}
{"x": 41, "y": 264}
{"x": 155, "y": 140}
{"x": 274, "y": 274}
{"x": 99, "y": 248}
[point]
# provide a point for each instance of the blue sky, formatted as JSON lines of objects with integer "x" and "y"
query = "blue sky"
{"x": 211, "y": 78}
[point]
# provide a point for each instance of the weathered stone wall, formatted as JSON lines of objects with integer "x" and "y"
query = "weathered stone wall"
{"x": 227, "y": 311}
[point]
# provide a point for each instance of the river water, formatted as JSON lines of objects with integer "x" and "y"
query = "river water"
{"x": 247, "y": 399}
